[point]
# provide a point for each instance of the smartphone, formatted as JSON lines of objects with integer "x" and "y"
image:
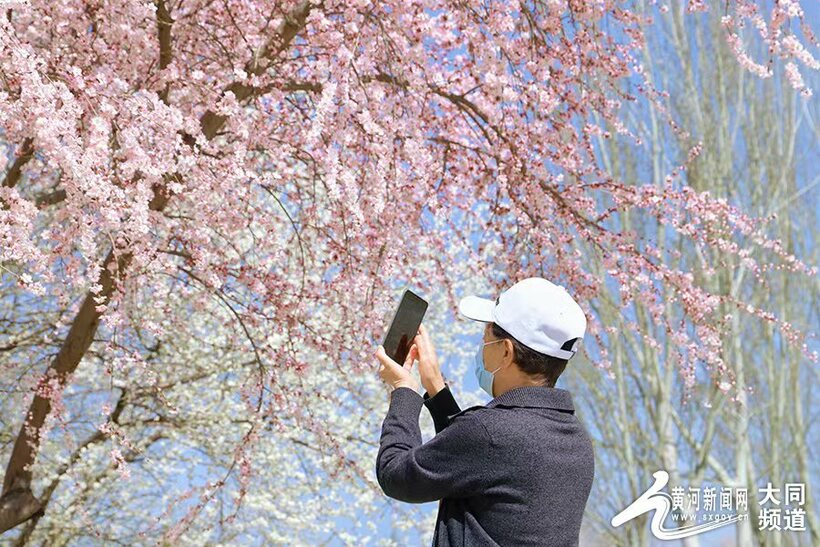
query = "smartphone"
{"x": 405, "y": 326}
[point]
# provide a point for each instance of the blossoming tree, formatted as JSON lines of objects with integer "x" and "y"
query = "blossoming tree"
{"x": 206, "y": 206}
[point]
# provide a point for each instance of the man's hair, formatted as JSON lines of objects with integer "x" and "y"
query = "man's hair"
{"x": 534, "y": 363}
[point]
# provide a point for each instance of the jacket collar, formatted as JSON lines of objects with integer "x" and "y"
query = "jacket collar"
{"x": 535, "y": 396}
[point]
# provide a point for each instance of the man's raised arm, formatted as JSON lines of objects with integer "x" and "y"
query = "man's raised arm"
{"x": 442, "y": 405}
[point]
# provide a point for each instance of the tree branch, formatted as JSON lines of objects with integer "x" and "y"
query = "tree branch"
{"x": 25, "y": 153}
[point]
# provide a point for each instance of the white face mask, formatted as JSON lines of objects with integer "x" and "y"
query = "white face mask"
{"x": 484, "y": 376}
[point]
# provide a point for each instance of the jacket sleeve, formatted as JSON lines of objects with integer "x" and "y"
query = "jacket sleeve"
{"x": 453, "y": 464}
{"x": 441, "y": 405}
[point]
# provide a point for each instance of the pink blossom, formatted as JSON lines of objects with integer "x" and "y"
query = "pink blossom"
{"x": 237, "y": 217}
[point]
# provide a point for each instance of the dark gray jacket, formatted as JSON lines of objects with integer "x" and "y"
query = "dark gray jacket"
{"x": 517, "y": 471}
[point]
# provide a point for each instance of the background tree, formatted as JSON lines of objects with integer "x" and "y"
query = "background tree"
{"x": 761, "y": 143}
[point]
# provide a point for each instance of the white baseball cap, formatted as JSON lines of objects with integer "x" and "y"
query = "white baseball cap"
{"x": 539, "y": 314}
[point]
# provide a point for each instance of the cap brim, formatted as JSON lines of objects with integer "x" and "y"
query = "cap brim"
{"x": 476, "y": 308}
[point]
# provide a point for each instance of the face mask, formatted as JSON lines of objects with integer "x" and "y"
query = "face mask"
{"x": 485, "y": 377}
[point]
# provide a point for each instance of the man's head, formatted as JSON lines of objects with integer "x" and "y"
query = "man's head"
{"x": 515, "y": 364}
{"x": 541, "y": 368}
{"x": 531, "y": 331}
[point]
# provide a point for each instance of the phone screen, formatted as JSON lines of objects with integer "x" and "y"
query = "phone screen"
{"x": 405, "y": 326}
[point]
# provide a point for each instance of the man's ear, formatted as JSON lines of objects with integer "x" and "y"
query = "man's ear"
{"x": 509, "y": 353}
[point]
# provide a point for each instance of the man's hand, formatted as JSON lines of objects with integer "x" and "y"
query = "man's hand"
{"x": 429, "y": 371}
{"x": 396, "y": 375}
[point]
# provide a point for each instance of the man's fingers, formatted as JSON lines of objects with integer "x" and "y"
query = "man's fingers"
{"x": 423, "y": 332}
{"x": 418, "y": 339}
{"x": 425, "y": 345}
{"x": 408, "y": 363}
{"x": 411, "y": 355}
{"x": 425, "y": 336}
{"x": 382, "y": 356}
{"x": 422, "y": 341}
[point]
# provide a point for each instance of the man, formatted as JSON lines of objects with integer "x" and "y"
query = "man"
{"x": 517, "y": 471}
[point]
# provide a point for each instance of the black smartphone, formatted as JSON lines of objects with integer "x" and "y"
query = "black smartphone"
{"x": 405, "y": 326}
